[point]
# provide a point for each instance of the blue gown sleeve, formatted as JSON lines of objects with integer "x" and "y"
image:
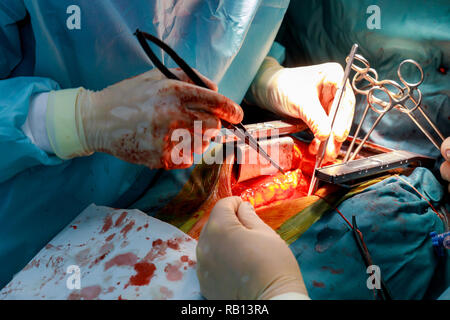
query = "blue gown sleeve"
{"x": 18, "y": 152}
{"x": 278, "y": 52}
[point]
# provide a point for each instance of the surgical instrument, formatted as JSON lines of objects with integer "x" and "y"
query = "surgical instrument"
{"x": 334, "y": 110}
{"x": 239, "y": 129}
{"x": 402, "y": 100}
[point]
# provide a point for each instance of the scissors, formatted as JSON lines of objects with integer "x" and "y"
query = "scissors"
{"x": 406, "y": 98}
{"x": 239, "y": 130}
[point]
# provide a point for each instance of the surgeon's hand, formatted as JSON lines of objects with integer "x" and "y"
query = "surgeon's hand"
{"x": 137, "y": 119}
{"x": 134, "y": 119}
{"x": 445, "y": 167}
{"x": 307, "y": 93}
{"x": 240, "y": 257}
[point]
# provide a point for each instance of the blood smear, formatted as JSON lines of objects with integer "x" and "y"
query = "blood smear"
{"x": 89, "y": 293}
{"x": 126, "y": 259}
{"x": 173, "y": 244}
{"x": 186, "y": 259}
{"x": 107, "y": 224}
{"x": 167, "y": 294}
{"x": 127, "y": 228}
{"x": 145, "y": 272}
{"x": 120, "y": 219}
{"x": 173, "y": 272}
{"x": 109, "y": 238}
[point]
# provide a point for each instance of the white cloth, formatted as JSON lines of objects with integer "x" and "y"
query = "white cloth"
{"x": 35, "y": 126}
{"x": 119, "y": 254}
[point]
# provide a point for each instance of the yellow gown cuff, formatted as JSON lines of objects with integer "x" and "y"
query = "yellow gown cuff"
{"x": 64, "y": 124}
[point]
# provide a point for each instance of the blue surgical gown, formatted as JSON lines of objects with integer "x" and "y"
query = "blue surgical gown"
{"x": 40, "y": 194}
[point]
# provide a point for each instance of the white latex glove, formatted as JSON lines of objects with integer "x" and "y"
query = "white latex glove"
{"x": 445, "y": 167}
{"x": 135, "y": 118}
{"x": 240, "y": 257}
{"x": 307, "y": 93}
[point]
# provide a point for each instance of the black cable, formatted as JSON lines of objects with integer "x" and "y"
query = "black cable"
{"x": 383, "y": 293}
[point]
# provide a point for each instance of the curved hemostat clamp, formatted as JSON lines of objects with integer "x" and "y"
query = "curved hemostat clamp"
{"x": 406, "y": 98}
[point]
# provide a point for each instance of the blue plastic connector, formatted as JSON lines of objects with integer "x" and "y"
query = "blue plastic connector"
{"x": 440, "y": 242}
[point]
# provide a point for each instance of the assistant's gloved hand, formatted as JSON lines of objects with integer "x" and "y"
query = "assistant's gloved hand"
{"x": 135, "y": 118}
{"x": 240, "y": 257}
{"x": 445, "y": 166}
{"x": 306, "y": 93}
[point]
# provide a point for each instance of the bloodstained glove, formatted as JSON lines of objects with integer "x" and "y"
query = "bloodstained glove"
{"x": 135, "y": 120}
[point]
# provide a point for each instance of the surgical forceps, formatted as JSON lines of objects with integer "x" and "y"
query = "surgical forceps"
{"x": 403, "y": 99}
{"x": 239, "y": 130}
{"x": 334, "y": 110}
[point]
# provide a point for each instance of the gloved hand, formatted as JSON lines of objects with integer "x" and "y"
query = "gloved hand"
{"x": 135, "y": 118}
{"x": 445, "y": 167}
{"x": 240, "y": 257}
{"x": 306, "y": 93}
